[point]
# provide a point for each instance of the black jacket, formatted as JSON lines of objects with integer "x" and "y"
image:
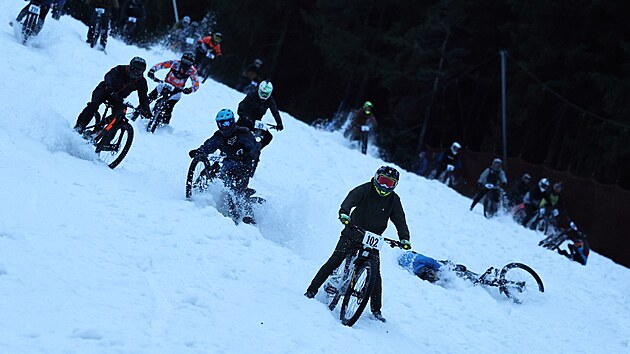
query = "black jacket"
{"x": 253, "y": 108}
{"x": 117, "y": 81}
{"x": 240, "y": 146}
{"x": 372, "y": 212}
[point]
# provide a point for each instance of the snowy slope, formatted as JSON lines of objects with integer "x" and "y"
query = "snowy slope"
{"x": 94, "y": 260}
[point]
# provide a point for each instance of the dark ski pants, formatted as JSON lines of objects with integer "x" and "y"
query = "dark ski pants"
{"x": 348, "y": 244}
{"x": 99, "y": 96}
{"x": 104, "y": 27}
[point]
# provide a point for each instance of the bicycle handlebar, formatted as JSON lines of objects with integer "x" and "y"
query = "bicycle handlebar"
{"x": 392, "y": 243}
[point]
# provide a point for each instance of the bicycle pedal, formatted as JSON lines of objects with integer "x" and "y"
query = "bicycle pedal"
{"x": 330, "y": 289}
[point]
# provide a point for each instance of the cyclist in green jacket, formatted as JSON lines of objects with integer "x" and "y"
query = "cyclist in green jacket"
{"x": 374, "y": 203}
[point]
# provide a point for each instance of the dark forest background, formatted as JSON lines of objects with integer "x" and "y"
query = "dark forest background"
{"x": 433, "y": 71}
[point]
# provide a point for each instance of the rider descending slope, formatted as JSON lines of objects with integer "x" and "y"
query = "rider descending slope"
{"x": 241, "y": 150}
{"x": 254, "y": 106}
{"x": 370, "y": 206}
{"x": 180, "y": 71}
{"x": 119, "y": 83}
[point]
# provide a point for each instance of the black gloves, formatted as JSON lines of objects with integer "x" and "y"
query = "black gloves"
{"x": 187, "y": 90}
{"x": 151, "y": 74}
{"x": 192, "y": 153}
{"x": 279, "y": 127}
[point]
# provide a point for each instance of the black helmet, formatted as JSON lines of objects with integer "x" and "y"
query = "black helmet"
{"x": 188, "y": 60}
{"x": 385, "y": 180}
{"x": 137, "y": 66}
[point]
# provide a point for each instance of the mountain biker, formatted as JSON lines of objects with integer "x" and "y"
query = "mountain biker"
{"x": 44, "y": 7}
{"x": 520, "y": 189}
{"x": 374, "y": 203}
{"x": 180, "y": 71}
{"x": 254, "y": 106}
{"x": 184, "y": 23}
{"x": 490, "y": 178}
{"x": 241, "y": 150}
{"x": 534, "y": 197}
{"x": 426, "y": 268}
{"x": 361, "y": 117}
{"x": 447, "y": 161}
{"x": 555, "y": 206}
{"x": 118, "y": 83}
{"x": 209, "y": 46}
{"x": 109, "y": 6}
{"x": 131, "y": 8}
{"x": 134, "y": 8}
{"x": 578, "y": 248}
{"x": 57, "y": 9}
{"x": 251, "y": 76}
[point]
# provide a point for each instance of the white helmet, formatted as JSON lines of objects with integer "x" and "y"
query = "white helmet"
{"x": 543, "y": 184}
{"x": 455, "y": 147}
{"x": 265, "y": 89}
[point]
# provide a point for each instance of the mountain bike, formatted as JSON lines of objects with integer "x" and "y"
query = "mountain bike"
{"x": 363, "y": 139}
{"x": 159, "y": 109}
{"x": 112, "y": 136}
{"x": 128, "y": 28}
{"x": 98, "y": 29}
{"x": 31, "y": 24}
{"x": 354, "y": 279}
{"x": 492, "y": 200}
{"x": 447, "y": 176}
{"x": 260, "y": 129}
{"x": 514, "y": 280}
{"x": 203, "y": 171}
{"x": 579, "y": 246}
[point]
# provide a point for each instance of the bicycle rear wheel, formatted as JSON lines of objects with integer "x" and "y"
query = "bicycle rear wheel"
{"x": 115, "y": 144}
{"x": 358, "y": 293}
{"x": 200, "y": 175}
{"x": 519, "y": 282}
{"x": 541, "y": 225}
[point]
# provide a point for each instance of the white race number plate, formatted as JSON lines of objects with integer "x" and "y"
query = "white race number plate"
{"x": 372, "y": 240}
{"x": 34, "y": 9}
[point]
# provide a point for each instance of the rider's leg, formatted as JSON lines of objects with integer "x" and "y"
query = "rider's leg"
{"x": 376, "y": 297}
{"x": 98, "y": 97}
{"x": 105, "y": 20}
{"x": 42, "y": 16}
{"x": 266, "y": 138}
{"x": 90, "y": 33}
{"x": 482, "y": 191}
{"x": 168, "y": 110}
{"x": 346, "y": 244}
{"x": 22, "y": 13}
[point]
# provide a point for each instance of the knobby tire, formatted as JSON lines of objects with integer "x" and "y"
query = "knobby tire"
{"x": 360, "y": 288}
{"x": 198, "y": 176}
{"x": 512, "y": 293}
{"x": 121, "y": 136}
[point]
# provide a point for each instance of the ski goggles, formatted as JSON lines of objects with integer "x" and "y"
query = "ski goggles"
{"x": 386, "y": 181}
{"x": 186, "y": 63}
{"x": 225, "y": 124}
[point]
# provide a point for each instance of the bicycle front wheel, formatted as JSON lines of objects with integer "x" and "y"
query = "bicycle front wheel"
{"x": 200, "y": 175}
{"x": 115, "y": 144}
{"x": 358, "y": 293}
{"x": 519, "y": 282}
